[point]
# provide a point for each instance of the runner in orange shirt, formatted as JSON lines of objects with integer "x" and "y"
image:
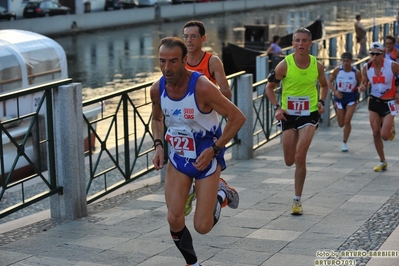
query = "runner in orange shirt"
{"x": 206, "y": 63}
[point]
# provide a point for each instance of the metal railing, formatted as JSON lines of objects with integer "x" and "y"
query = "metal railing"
{"x": 122, "y": 139}
{"x": 27, "y": 146}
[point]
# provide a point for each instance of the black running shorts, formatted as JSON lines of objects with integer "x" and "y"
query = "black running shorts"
{"x": 298, "y": 122}
{"x": 379, "y": 106}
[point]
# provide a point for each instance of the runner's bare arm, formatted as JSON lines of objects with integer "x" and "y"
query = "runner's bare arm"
{"x": 157, "y": 125}
{"x": 217, "y": 71}
{"x": 332, "y": 78}
{"x": 323, "y": 87}
{"x": 395, "y": 70}
{"x": 365, "y": 80}
{"x": 358, "y": 77}
{"x": 322, "y": 81}
{"x": 279, "y": 72}
{"x": 209, "y": 97}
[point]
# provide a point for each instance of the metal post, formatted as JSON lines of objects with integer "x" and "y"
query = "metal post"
{"x": 314, "y": 50}
{"x": 69, "y": 153}
{"x": 262, "y": 62}
{"x": 376, "y": 31}
{"x": 333, "y": 51}
{"x": 386, "y": 29}
{"x": 262, "y": 70}
{"x": 349, "y": 42}
{"x": 244, "y": 150}
{"x": 326, "y": 116}
{"x": 157, "y": 11}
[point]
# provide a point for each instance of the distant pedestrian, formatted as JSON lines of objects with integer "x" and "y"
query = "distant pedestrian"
{"x": 380, "y": 74}
{"x": 361, "y": 37}
{"x": 301, "y": 106}
{"x": 189, "y": 105}
{"x": 346, "y": 78}
{"x": 274, "y": 52}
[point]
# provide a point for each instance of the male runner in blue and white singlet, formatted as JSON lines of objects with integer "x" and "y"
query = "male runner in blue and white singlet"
{"x": 346, "y": 78}
{"x": 190, "y": 105}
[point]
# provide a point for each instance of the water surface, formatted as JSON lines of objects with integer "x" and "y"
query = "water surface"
{"x": 106, "y": 61}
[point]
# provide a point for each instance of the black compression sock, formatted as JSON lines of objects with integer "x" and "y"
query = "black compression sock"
{"x": 184, "y": 242}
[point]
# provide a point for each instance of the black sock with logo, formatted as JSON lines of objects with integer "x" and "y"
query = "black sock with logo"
{"x": 184, "y": 242}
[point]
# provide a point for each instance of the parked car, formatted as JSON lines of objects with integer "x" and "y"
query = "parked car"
{"x": 112, "y": 4}
{"x": 146, "y": 3}
{"x": 44, "y": 8}
{"x": 175, "y": 2}
{"x": 5, "y": 14}
{"x": 126, "y": 4}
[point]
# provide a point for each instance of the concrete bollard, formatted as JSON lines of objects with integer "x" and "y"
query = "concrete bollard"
{"x": 244, "y": 150}
{"x": 69, "y": 153}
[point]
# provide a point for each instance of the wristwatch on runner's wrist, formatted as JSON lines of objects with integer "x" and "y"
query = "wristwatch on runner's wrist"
{"x": 216, "y": 149}
{"x": 275, "y": 107}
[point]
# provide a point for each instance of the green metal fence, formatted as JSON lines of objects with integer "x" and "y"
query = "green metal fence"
{"x": 122, "y": 140}
{"x": 27, "y": 146}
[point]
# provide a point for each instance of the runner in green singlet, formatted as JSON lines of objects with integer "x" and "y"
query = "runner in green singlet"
{"x": 301, "y": 105}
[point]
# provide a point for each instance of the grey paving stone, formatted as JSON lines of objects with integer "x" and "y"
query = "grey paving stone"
{"x": 10, "y": 257}
{"x": 46, "y": 261}
{"x": 283, "y": 258}
{"x": 346, "y": 205}
{"x": 239, "y": 256}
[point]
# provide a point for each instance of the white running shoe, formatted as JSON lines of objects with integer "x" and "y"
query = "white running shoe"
{"x": 344, "y": 147}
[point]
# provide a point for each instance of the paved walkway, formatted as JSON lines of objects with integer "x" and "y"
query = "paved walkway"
{"x": 347, "y": 208}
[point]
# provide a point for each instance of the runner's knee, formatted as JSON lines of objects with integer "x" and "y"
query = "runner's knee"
{"x": 175, "y": 220}
{"x": 203, "y": 227}
{"x": 289, "y": 160}
{"x": 300, "y": 159}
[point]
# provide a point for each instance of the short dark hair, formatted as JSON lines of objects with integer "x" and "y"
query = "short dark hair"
{"x": 302, "y": 30}
{"x": 171, "y": 42}
{"x": 390, "y": 37}
{"x": 358, "y": 17}
{"x": 196, "y": 23}
{"x": 347, "y": 55}
{"x": 275, "y": 38}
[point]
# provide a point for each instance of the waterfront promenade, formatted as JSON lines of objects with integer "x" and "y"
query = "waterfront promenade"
{"x": 347, "y": 207}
